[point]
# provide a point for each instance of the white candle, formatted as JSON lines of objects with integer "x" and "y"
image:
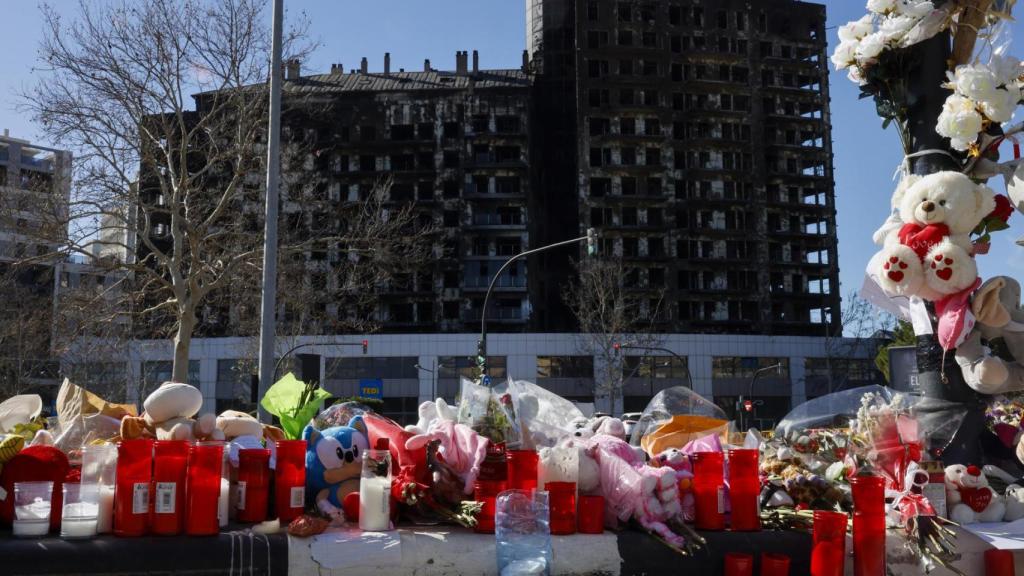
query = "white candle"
{"x": 78, "y": 520}
{"x": 30, "y": 527}
{"x": 105, "y": 511}
{"x": 374, "y": 505}
{"x": 38, "y": 510}
{"x": 223, "y": 502}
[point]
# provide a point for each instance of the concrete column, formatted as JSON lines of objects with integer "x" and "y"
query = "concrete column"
{"x": 427, "y": 379}
{"x": 523, "y": 367}
{"x": 797, "y": 380}
{"x": 208, "y": 384}
{"x": 700, "y": 371}
{"x": 134, "y": 374}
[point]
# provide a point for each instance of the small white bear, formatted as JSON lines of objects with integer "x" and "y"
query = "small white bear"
{"x": 931, "y": 255}
{"x": 969, "y": 497}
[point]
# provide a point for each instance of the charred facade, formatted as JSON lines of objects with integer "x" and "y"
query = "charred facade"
{"x": 701, "y": 149}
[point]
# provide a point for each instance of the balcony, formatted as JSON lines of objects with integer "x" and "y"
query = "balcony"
{"x": 510, "y": 315}
{"x": 498, "y": 221}
{"x": 505, "y": 282}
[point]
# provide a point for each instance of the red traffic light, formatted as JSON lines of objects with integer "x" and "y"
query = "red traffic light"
{"x": 366, "y": 343}
{"x": 748, "y": 405}
{"x": 617, "y": 346}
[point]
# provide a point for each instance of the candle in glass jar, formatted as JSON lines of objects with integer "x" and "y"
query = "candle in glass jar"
{"x": 79, "y": 520}
{"x": 374, "y": 509}
{"x": 105, "y": 513}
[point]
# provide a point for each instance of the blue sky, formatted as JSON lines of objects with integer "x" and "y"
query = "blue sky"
{"x": 865, "y": 155}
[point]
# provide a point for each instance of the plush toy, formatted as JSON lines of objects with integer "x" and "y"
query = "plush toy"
{"x": 461, "y": 447}
{"x": 33, "y": 464}
{"x": 169, "y": 412}
{"x": 588, "y": 475}
{"x": 930, "y": 255}
{"x": 430, "y": 413}
{"x": 334, "y": 464}
{"x": 969, "y": 498}
{"x": 999, "y": 320}
{"x": 1014, "y": 502}
{"x": 677, "y": 460}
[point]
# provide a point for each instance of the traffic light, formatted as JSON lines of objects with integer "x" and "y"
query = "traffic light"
{"x": 617, "y": 347}
{"x": 366, "y": 344}
{"x": 591, "y": 242}
{"x": 481, "y": 355}
{"x": 748, "y": 405}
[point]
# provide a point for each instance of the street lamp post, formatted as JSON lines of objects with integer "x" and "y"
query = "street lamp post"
{"x": 753, "y": 380}
{"x": 683, "y": 361}
{"x": 481, "y": 348}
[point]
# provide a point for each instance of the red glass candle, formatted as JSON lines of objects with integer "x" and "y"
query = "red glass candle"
{"x": 998, "y": 563}
{"x": 709, "y": 490}
{"x": 203, "y": 489}
{"x": 744, "y": 490}
{"x": 868, "y": 525}
{"x": 522, "y": 469}
{"x": 253, "y": 484}
{"x": 562, "y": 506}
{"x": 774, "y": 564}
{"x": 170, "y": 464}
{"x": 739, "y": 564}
{"x": 590, "y": 515}
{"x": 493, "y": 480}
{"x": 829, "y": 553}
{"x": 290, "y": 479}
{"x": 131, "y": 491}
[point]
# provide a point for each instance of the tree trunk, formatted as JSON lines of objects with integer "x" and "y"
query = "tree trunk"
{"x": 182, "y": 344}
{"x": 947, "y": 398}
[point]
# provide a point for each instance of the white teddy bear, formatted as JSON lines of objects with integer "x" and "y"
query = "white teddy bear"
{"x": 930, "y": 253}
{"x": 969, "y": 498}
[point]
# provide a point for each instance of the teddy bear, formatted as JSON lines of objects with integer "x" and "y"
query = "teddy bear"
{"x": 969, "y": 498}
{"x": 999, "y": 322}
{"x": 931, "y": 255}
{"x": 169, "y": 415}
{"x": 680, "y": 462}
{"x": 334, "y": 464}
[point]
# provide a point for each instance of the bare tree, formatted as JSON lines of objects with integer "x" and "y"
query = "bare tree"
{"x": 863, "y": 330}
{"x": 610, "y": 310}
{"x": 163, "y": 103}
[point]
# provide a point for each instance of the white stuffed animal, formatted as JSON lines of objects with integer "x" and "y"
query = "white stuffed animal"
{"x": 431, "y": 413}
{"x": 930, "y": 255}
{"x": 1014, "y": 502}
{"x": 969, "y": 498}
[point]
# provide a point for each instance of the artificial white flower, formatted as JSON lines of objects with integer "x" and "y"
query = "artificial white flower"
{"x": 1000, "y": 108}
{"x": 845, "y": 54}
{"x": 857, "y": 29}
{"x": 959, "y": 121}
{"x": 1007, "y": 69}
{"x": 855, "y": 74}
{"x": 893, "y": 29}
{"x": 881, "y": 6}
{"x": 916, "y": 8}
{"x": 978, "y": 82}
{"x": 870, "y": 47}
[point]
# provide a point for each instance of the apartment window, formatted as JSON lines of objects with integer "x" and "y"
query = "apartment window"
{"x": 600, "y": 216}
{"x": 367, "y": 163}
{"x": 650, "y": 97}
{"x": 656, "y": 247}
{"x": 628, "y": 186}
{"x": 674, "y": 15}
{"x": 450, "y": 159}
{"x": 451, "y": 218}
{"x": 625, "y": 38}
{"x": 507, "y": 185}
{"x": 650, "y": 40}
{"x": 367, "y": 133}
{"x": 654, "y": 187}
{"x": 597, "y": 38}
{"x": 627, "y": 126}
{"x": 656, "y": 277}
{"x": 425, "y": 130}
{"x": 565, "y": 367}
{"x": 652, "y": 127}
{"x": 599, "y": 126}
{"x": 367, "y": 367}
{"x": 628, "y": 157}
{"x": 450, "y": 189}
{"x": 650, "y": 68}
{"x": 653, "y": 156}
{"x": 600, "y": 157}
{"x": 626, "y": 97}
{"x": 630, "y": 247}
{"x": 597, "y": 68}
{"x": 625, "y": 12}
{"x": 656, "y": 367}
{"x": 723, "y": 19}
{"x": 593, "y": 10}
{"x": 629, "y": 216}
{"x": 451, "y": 130}
{"x": 402, "y": 132}
{"x": 654, "y": 217}
{"x": 600, "y": 187}
{"x": 625, "y": 67}
{"x": 597, "y": 97}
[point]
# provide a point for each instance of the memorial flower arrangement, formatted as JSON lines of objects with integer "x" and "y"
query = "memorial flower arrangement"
{"x": 983, "y": 95}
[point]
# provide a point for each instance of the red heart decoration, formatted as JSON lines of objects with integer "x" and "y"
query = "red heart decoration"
{"x": 920, "y": 239}
{"x": 945, "y": 273}
{"x": 977, "y": 499}
{"x": 895, "y": 275}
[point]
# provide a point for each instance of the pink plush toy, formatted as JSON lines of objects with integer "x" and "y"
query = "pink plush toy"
{"x": 680, "y": 462}
{"x": 462, "y": 448}
{"x": 633, "y": 489}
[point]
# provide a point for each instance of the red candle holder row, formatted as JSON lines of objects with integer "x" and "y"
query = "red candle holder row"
{"x": 744, "y": 490}
{"x": 170, "y": 487}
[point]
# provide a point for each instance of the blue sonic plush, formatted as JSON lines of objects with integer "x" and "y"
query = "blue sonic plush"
{"x": 334, "y": 464}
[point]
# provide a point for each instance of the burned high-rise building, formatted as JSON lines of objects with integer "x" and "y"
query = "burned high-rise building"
{"x": 694, "y": 135}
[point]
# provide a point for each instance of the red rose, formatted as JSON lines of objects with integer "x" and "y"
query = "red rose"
{"x": 1003, "y": 208}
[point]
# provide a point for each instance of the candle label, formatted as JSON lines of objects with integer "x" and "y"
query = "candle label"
{"x": 140, "y": 498}
{"x": 165, "y": 492}
{"x": 298, "y": 497}
{"x": 721, "y": 499}
{"x": 241, "y": 494}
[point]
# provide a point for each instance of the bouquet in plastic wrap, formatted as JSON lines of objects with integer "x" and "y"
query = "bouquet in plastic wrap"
{"x": 489, "y": 411}
{"x": 1003, "y": 418}
{"x": 675, "y": 417}
{"x": 544, "y": 417}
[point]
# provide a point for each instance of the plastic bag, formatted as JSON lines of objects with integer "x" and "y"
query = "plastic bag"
{"x": 544, "y": 417}
{"x": 489, "y": 412}
{"x": 339, "y": 414}
{"x": 674, "y": 417}
{"x": 834, "y": 410}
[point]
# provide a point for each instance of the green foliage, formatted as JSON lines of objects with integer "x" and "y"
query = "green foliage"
{"x": 294, "y": 402}
{"x": 903, "y": 335}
